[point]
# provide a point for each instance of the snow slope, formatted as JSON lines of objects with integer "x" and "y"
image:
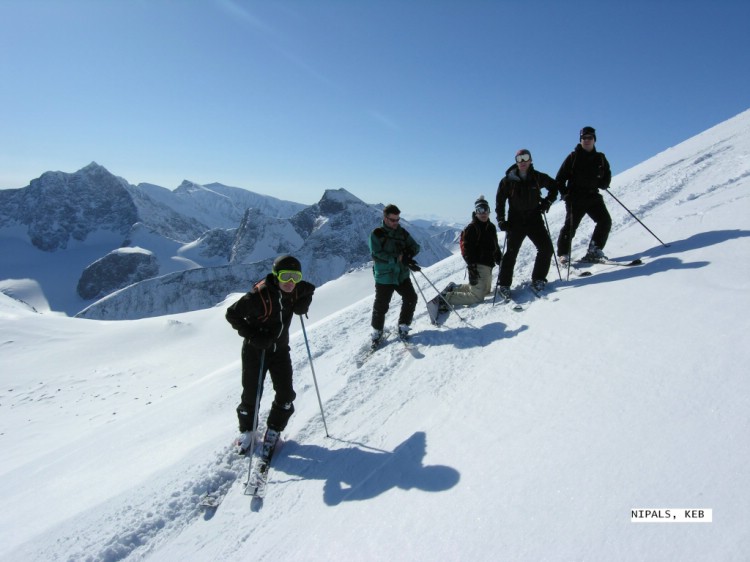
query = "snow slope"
{"x": 506, "y": 436}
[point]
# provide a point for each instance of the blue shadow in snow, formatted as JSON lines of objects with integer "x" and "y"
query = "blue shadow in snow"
{"x": 661, "y": 258}
{"x": 360, "y": 473}
{"x": 467, "y": 337}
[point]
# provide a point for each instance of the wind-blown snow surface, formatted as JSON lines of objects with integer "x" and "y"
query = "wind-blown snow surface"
{"x": 508, "y": 436}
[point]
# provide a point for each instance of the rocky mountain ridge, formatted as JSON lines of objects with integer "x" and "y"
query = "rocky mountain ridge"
{"x": 142, "y": 246}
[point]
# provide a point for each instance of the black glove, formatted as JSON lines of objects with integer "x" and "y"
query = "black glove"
{"x": 406, "y": 256}
{"x": 603, "y": 187}
{"x": 473, "y": 274}
{"x": 503, "y": 225}
{"x": 544, "y": 205}
{"x": 498, "y": 256}
{"x": 413, "y": 265}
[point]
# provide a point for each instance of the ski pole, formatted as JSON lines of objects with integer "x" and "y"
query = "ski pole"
{"x": 315, "y": 379}
{"x": 557, "y": 265}
{"x": 636, "y": 218}
{"x": 258, "y": 394}
{"x": 569, "y": 209}
{"x": 499, "y": 267}
{"x": 418, "y": 287}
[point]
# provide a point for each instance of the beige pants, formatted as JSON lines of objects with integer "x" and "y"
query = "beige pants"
{"x": 472, "y": 294}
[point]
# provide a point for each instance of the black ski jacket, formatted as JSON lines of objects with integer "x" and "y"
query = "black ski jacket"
{"x": 583, "y": 174}
{"x": 479, "y": 243}
{"x": 523, "y": 196}
{"x": 263, "y": 315}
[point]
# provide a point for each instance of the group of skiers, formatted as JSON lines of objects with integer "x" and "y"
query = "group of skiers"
{"x": 583, "y": 173}
{"x": 262, "y": 316}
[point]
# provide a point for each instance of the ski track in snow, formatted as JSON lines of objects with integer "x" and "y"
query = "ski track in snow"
{"x": 173, "y": 502}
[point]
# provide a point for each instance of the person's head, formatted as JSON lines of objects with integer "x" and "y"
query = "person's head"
{"x": 523, "y": 159}
{"x": 391, "y": 215}
{"x": 288, "y": 272}
{"x": 482, "y": 209}
{"x": 588, "y": 138}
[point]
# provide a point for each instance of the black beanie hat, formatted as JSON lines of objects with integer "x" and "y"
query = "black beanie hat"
{"x": 588, "y": 131}
{"x": 481, "y": 203}
{"x": 286, "y": 262}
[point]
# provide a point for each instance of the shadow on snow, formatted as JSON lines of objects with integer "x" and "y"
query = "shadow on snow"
{"x": 359, "y": 472}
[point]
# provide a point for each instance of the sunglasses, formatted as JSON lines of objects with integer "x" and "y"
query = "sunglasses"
{"x": 392, "y": 219}
{"x": 587, "y": 137}
{"x": 523, "y": 158}
{"x": 287, "y": 275}
{"x": 482, "y": 211}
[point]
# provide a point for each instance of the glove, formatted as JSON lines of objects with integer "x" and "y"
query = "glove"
{"x": 603, "y": 187}
{"x": 413, "y": 265}
{"x": 473, "y": 274}
{"x": 498, "y": 256}
{"x": 544, "y": 205}
{"x": 406, "y": 256}
{"x": 503, "y": 225}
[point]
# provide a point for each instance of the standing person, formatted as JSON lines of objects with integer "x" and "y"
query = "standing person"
{"x": 262, "y": 317}
{"x": 393, "y": 250}
{"x": 481, "y": 251}
{"x": 583, "y": 173}
{"x": 522, "y": 189}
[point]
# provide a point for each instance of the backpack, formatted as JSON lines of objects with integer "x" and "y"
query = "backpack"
{"x": 462, "y": 239}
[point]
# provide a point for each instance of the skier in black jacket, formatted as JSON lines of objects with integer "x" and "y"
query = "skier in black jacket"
{"x": 262, "y": 317}
{"x": 481, "y": 251}
{"x": 522, "y": 189}
{"x": 583, "y": 173}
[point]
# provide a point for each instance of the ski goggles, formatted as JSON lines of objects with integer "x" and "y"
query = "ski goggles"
{"x": 287, "y": 275}
{"x": 523, "y": 158}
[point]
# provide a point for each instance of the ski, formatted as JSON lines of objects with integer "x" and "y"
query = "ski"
{"x": 513, "y": 305}
{"x": 210, "y": 501}
{"x": 410, "y": 346}
{"x": 509, "y": 302}
{"x": 368, "y": 349}
{"x": 579, "y": 264}
{"x": 636, "y": 261}
{"x": 437, "y": 316}
{"x": 258, "y": 481}
{"x": 537, "y": 294}
{"x": 438, "y": 308}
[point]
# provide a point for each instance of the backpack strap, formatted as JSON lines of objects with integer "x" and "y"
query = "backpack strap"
{"x": 261, "y": 289}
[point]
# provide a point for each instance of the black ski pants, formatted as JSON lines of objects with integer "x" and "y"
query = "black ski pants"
{"x": 278, "y": 362}
{"x": 383, "y": 295}
{"x": 576, "y": 209}
{"x": 532, "y": 226}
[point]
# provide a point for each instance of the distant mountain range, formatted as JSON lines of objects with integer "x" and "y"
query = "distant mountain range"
{"x": 102, "y": 248}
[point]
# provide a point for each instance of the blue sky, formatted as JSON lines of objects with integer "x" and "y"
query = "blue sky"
{"x": 418, "y": 103}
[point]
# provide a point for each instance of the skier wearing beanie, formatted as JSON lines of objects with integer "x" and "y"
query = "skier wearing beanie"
{"x": 521, "y": 188}
{"x": 393, "y": 250}
{"x": 583, "y": 173}
{"x": 481, "y": 251}
{"x": 262, "y": 317}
